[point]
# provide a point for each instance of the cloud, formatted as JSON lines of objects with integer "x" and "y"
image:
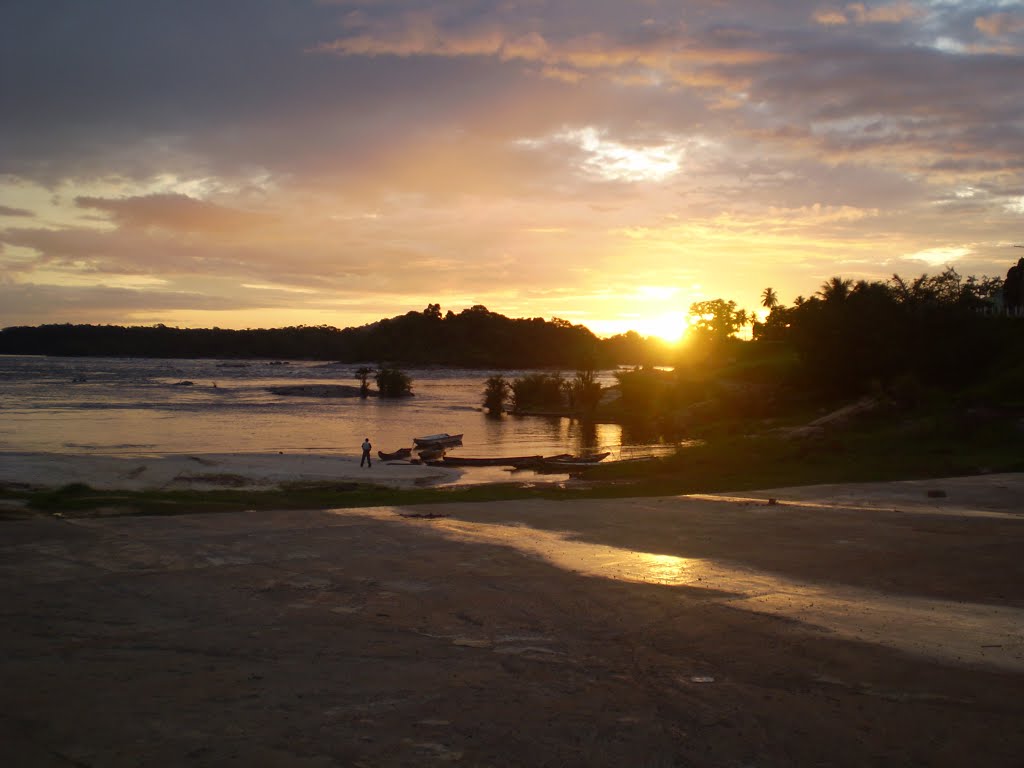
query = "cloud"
{"x": 665, "y": 51}
{"x": 942, "y": 256}
{"x": 831, "y": 17}
{"x": 861, "y": 13}
{"x": 15, "y": 212}
{"x": 32, "y": 304}
{"x": 173, "y": 212}
{"x": 1000, "y": 24}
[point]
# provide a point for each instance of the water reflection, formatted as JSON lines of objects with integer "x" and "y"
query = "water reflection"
{"x": 640, "y": 433}
{"x": 139, "y": 402}
{"x": 589, "y": 437}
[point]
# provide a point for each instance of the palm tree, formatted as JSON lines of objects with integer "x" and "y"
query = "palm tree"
{"x": 769, "y": 299}
{"x": 835, "y": 289}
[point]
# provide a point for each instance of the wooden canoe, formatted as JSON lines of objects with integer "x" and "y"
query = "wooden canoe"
{"x": 440, "y": 439}
{"x": 564, "y": 462}
{"x": 401, "y": 453}
{"x": 507, "y": 461}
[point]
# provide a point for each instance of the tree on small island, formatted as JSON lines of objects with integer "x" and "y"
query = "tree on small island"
{"x": 393, "y": 383}
{"x": 538, "y": 392}
{"x": 495, "y": 391}
{"x": 583, "y": 392}
{"x": 362, "y": 375}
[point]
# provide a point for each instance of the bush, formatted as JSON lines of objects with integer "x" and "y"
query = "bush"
{"x": 644, "y": 392}
{"x": 392, "y": 382}
{"x": 362, "y": 376}
{"x": 583, "y": 392}
{"x": 495, "y": 392}
{"x": 537, "y": 391}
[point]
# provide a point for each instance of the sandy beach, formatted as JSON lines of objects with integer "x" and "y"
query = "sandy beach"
{"x": 846, "y": 625}
{"x": 147, "y": 471}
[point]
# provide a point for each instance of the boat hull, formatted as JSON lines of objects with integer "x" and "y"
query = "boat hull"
{"x": 433, "y": 441}
{"x": 401, "y": 453}
{"x": 508, "y": 461}
{"x": 562, "y": 462}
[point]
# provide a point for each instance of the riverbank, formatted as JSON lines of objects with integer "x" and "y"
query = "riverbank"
{"x": 210, "y": 471}
{"x": 843, "y": 625}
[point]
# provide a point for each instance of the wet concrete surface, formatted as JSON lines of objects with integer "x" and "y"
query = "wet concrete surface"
{"x": 825, "y": 629}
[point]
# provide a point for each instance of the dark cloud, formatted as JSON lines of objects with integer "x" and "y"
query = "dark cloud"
{"x": 30, "y": 304}
{"x": 173, "y": 212}
{"x": 15, "y": 212}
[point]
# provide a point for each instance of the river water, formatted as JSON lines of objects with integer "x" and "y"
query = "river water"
{"x": 140, "y": 406}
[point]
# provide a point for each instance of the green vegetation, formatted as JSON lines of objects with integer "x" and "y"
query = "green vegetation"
{"x": 716, "y": 320}
{"x": 496, "y": 390}
{"x": 363, "y": 375}
{"x": 880, "y": 448}
{"x": 538, "y": 392}
{"x": 583, "y": 393}
{"x": 392, "y": 382}
{"x": 943, "y": 331}
{"x": 550, "y": 393}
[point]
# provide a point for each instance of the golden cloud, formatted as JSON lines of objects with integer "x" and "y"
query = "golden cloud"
{"x": 1000, "y": 24}
{"x": 669, "y": 54}
{"x": 860, "y": 13}
{"x": 173, "y": 212}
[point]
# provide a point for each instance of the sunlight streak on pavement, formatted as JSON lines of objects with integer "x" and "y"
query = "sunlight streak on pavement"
{"x": 950, "y": 631}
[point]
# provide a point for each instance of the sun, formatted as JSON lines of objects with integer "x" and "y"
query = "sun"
{"x": 670, "y": 327}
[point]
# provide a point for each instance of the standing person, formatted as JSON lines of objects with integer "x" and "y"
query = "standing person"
{"x": 366, "y": 453}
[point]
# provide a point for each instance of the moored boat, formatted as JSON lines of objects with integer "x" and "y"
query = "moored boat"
{"x": 440, "y": 439}
{"x": 563, "y": 461}
{"x": 431, "y": 454}
{"x": 535, "y": 461}
{"x": 507, "y": 461}
{"x": 583, "y": 459}
{"x": 401, "y": 453}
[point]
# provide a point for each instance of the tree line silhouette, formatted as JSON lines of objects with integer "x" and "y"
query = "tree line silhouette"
{"x": 473, "y": 338}
{"x": 941, "y": 331}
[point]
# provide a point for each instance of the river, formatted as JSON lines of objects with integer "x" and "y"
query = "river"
{"x": 142, "y": 406}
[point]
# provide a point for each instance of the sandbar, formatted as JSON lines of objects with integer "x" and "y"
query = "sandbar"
{"x": 165, "y": 471}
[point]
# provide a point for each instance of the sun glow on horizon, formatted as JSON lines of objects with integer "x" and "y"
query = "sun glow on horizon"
{"x": 669, "y": 327}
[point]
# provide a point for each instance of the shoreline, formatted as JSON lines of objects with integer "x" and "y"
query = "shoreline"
{"x": 210, "y": 471}
{"x": 280, "y": 472}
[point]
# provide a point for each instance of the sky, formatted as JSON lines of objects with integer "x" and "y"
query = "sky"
{"x": 267, "y": 163}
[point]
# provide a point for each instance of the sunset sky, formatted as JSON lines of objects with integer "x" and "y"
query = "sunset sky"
{"x": 262, "y": 163}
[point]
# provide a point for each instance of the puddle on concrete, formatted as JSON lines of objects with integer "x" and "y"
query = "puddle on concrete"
{"x": 950, "y": 631}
